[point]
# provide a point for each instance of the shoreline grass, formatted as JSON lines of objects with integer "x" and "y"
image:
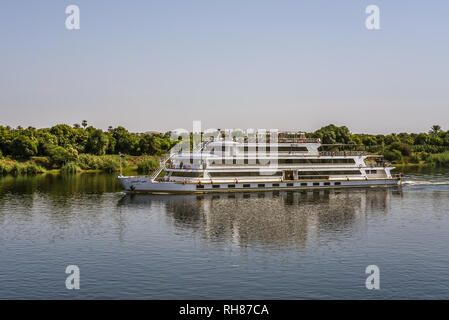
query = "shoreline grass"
{"x": 85, "y": 163}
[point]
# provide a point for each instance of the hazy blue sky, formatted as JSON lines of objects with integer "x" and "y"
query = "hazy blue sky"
{"x": 158, "y": 65}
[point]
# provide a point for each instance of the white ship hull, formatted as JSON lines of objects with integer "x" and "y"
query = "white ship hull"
{"x": 147, "y": 185}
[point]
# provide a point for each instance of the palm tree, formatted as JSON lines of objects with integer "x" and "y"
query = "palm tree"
{"x": 76, "y": 126}
{"x": 84, "y": 124}
{"x": 435, "y": 129}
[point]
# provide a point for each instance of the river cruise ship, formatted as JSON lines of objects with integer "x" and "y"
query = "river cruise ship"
{"x": 242, "y": 165}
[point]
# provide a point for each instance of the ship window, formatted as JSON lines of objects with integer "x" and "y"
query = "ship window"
{"x": 231, "y": 185}
{"x": 337, "y": 183}
{"x": 303, "y": 184}
{"x": 216, "y": 186}
{"x": 261, "y": 185}
{"x": 275, "y": 184}
{"x": 200, "y": 186}
{"x": 316, "y": 183}
{"x": 289, "y": 184}
{"x": 246, "y": 186}
{"x": 327, "y": 183}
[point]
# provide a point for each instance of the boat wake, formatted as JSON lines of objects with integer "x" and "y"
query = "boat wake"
{"x": 424, "y": 182}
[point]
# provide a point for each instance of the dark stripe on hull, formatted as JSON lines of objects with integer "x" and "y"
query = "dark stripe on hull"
{"x": 388, "y": 183}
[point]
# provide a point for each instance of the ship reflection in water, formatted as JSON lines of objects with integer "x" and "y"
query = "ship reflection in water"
{"x": 270, "y": 219}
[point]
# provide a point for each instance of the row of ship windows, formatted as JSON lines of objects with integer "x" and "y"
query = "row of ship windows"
{"x": 281, "y": 161}
{"x": 301, "y": 174}
{"x": 264, "y": 149}
{"x": 273, "y": 185}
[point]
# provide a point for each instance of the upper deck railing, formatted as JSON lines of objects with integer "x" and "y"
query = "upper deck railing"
{"x": 278, "y": 140}
{"x": 342, "y": 153}
{"x": 300, "y": 137}
{"x": 299, "y": 140}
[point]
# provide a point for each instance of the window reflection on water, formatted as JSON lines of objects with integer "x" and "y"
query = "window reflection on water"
{"x": 275, "y": 218}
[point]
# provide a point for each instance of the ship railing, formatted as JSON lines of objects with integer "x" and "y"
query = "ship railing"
{"x": 283, "y": 165}
{"x": 377, "y": 164}
{"x": 280, "y": 140}
{"x": 200, "y": 147}
{"x": 162, "y": 165}
{"x": 342, "y": 153}
{"x": 166, "y": 165}
{"x": 184, "y": 166}
{"x": 299, "y": 140}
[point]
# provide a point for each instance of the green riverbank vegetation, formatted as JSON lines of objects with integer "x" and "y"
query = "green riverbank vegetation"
{"x": 71, "y": 149}
{"x": 80, "y": 148}
{"x": 401, "y": 149}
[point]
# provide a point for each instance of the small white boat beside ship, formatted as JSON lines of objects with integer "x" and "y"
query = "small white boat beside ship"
{"x": 242, "y": 165}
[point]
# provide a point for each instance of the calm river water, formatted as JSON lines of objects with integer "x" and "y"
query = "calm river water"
{"x": 272, "y": 245}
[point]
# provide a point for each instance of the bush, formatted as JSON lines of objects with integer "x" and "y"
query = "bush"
{"x": 4, "y": 169}
{"x": 33, "y": 169}
{"x": 393, "y": 155}
{"x": 415, "y": 158}
{"x": 70, "y": 168}
{"x": 441, "y": 160}
{"x": 60, "y": 155}
{"x": 425, "y": 156}
{"x": 110, "y": 165}
{"x": 18, "y": 169}
{"x": 89, "y": 162}
{"x": 24, "y": 147}
{"x": 147, "y": 166}
{"x": 403, "y": 148}
{"x": 105, "y": 163}
{"x": 44, "y": 162}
